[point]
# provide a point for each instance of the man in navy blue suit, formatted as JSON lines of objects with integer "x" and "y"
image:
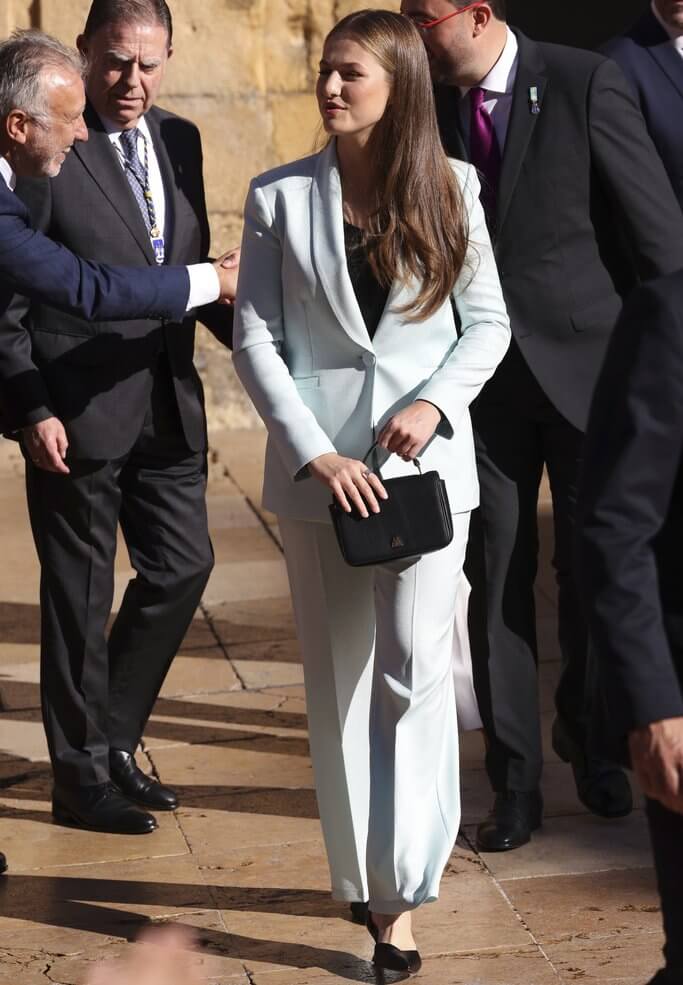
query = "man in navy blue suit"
{"x": 651, "y": 56}
{"x": 42, "y": 100}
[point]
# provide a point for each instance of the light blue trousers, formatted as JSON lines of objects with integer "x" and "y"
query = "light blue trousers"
{"x": 377, "y": 646}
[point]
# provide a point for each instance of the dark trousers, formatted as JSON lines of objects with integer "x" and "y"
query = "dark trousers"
{"x": 518, "y": 432}
{"x": 97, "y": 693}
{"x": 666, "y": 832}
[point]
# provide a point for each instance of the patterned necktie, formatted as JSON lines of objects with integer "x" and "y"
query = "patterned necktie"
{"x": 485, "y": 152}
{"x": 137, "y": 178}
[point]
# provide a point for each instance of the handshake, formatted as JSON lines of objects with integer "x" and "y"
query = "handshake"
{"x": 227, "y": 267}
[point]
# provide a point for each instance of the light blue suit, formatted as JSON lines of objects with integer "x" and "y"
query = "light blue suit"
{"x": 376, "y": 643}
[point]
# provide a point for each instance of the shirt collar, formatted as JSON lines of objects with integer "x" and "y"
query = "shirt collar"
{"x": 676, "y": 36}
{"x": 501, "y": 78}
{"x": 114, "y": 131}
{"x": 8, "y": 174}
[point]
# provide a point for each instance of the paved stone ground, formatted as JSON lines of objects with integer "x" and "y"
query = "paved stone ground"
{"x": 242, "y": 859}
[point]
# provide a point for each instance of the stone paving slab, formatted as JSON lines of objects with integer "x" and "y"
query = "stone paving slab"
{"x": 242, "y": 860}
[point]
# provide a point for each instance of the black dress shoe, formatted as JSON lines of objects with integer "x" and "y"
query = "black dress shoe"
{"x": 394, "y": 959}
{"x": 668, "y": 976}
{"x": 515, "y": 815}
{"x": 602, "y": 787}
{"x": 137, "y": 786}
{"x": 100, "y": 808}
{"x": 3, "y": 863}
{"x": 359, "y": 913}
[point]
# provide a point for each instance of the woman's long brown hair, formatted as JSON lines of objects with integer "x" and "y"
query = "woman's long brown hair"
{"x": 419, "y": 226}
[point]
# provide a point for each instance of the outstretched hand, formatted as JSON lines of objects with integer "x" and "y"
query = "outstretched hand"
{"x": 228, "y": 267}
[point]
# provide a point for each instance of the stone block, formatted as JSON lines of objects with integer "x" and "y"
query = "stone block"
{"x": 13, "y": 14}
{"x": 218, "y": 48}
{"x": 344, "y": 7}
{"x": 296, "y": 125}
{"x": 64, "y": 20}
{"x": 237, "y": 142}
{"x": 288, "y": 39}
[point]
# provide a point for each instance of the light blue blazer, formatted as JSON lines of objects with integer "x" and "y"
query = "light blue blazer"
{"x": 304, "y": 356}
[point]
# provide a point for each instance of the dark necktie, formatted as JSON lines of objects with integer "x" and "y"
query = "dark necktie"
{"x": 135, "y": 172}
{"x": 485, "y": 152}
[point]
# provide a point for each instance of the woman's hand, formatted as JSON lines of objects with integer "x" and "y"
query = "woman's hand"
{"x": 227, "y": 267}
{"x": 351, "y": 482}
{"x": 408, "y": 432}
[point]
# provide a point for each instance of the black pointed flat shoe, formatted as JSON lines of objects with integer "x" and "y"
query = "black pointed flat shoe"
{"x": 359, "y": 913}
{"x": 394, "y": 959}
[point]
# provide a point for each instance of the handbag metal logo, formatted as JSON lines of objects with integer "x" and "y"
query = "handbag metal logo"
{"x": 396, "y": 542}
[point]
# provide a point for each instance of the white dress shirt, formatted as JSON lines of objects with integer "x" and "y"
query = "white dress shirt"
{"x": 676, "y": 36}
{"x": 204, "y": 283}
{"x": 8, "y": 175}
{"x": 498, "y": 85}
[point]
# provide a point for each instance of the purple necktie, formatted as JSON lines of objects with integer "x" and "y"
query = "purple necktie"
{"x": 484, "y": 152}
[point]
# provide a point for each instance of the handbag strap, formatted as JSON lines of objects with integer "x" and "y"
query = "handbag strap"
{"x": 376, "y": 469}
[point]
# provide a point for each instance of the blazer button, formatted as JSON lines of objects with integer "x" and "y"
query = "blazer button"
{"x": 369, "y": 359}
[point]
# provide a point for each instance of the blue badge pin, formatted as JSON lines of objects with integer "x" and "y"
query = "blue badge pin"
{"x": 534, "y": 104}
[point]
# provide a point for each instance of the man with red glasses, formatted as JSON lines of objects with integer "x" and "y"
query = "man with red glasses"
{"x": 580, "y": 208}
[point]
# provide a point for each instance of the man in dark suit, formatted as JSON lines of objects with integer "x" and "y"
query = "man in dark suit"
{"x": 127, "y": 401}
{"x": 651, "y": 56}
{"x": 631, "y": 567}
{"x": 579, "y": 206}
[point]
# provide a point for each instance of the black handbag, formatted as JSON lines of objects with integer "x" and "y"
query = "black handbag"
{"x": 414, "y": 520}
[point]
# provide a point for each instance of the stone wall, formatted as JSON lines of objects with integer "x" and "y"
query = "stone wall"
{"x": 244, "y": 71}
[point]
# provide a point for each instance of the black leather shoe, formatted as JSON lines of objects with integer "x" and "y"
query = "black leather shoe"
{"x": 666, "y": 977}
{"x": 515, "y": 815}
{"x": 359, "y": 913}
{"x": 137, "y": 786}
{"x": 100, "y": 808}
{"x": 394, "y": 959}
{"x": 602, "y": 787}
{"x": 3, "y": 863}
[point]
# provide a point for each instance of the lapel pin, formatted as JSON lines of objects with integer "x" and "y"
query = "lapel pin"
{"x": 534, "y": 104}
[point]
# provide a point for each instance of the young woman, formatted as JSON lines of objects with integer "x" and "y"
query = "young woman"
{"x": 345, "y": 336}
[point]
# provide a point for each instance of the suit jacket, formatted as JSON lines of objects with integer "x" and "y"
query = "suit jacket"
{"x": 49, "y": 273}
{"x": 304, "y": 355}
{"x": 585, "y": 208}
{"x": 97, "y": 376}
{"x": 650, "y": 62}
{"x": 631, "y": 513}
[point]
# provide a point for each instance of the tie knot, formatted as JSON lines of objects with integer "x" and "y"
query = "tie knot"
{"x": 129, "y": 142}
{"x": 478, "y": 97}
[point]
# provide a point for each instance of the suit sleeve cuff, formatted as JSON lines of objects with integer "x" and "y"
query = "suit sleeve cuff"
{"x": 205, "y": 286}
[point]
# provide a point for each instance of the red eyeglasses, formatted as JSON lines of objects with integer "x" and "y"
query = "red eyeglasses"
{"x": 428, "y": 25}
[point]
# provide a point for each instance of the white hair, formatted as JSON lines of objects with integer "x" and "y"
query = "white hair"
{"x": 24, "y": 59}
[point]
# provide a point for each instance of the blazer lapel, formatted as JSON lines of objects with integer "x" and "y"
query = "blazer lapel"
{"x": 531, "y": 72}
{"x": 99, "y": 159}
{"x": 329, "y": 251}
{"x": 670, "y": 63}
